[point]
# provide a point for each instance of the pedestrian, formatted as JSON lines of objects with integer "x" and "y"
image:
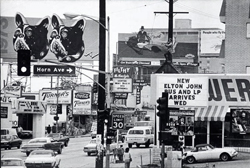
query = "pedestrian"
{"x": 127, "y": 158}
{"x": 120, "y": 153}
{"x": 19, "y": 131}
{"x": 48, "y": 129}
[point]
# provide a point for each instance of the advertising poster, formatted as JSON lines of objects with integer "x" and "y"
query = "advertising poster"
{"x": 211, "y": 41}
{"x": 241, "y": 121}
{"x": 81, "y": 103}
{"x": 181, "y": 122}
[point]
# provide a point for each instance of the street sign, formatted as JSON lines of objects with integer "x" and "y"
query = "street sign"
{"x": 118, "y": 121}
{"x": 62, "y": 70}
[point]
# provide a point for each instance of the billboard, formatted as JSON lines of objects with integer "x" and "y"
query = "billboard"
{"x": 81, "y": 103}
{"x": 49, "y": 38}
{"x": 56, "y": 96}
{"x": 211, "y": 41}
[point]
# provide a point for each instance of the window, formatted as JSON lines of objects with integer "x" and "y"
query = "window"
{"x": 248, "y": 30}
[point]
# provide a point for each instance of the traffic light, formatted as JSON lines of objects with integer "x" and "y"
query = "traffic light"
{"x": 103, "y": 116}
{"x": 163, "y": 112}
{"x": 59, "y": 109}
{"x": 23, "y": 62}
{"x": 95, "y": 88}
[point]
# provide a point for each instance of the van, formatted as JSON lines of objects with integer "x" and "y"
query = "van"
{"x": 139, "y": 136}
{"x": 8, "y": 131}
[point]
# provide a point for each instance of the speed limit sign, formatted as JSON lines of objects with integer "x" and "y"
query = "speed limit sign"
{"x": 118, "y": 121}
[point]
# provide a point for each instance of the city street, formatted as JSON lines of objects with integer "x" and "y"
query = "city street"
{"x": 74, "y": 157}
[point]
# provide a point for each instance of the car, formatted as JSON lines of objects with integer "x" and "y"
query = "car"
{"x": 139, "y": 136}
{"x": 206, "y": 152}
{"x": 12, "y": 162}
{"x": 42, "y": 158}
{"x": 26, "y": 134}
{"x": 59, "y": 137}
{"x": 91, "y": 147}
{"x": 42, "y": 143}
{"x": 93, "y": 134}
{"x": 10, "y": 141}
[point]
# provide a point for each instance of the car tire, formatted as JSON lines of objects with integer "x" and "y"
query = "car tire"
{"x": 27, "y": 153}
{"x": 147, "y": 144}
{"x": 59, "y": 151}
{"x": 190, "y": 159}
{"x": 18, "y": 147}
{"x": 130, "y": 145}
{"x": 66, "y": 144}
{"x": 89, "y": 153}
{"x": 224, "y": 157}
{"x": 137, "y": 145}
{"x": 5, "y": 148}
{"x": 9, "y": 147}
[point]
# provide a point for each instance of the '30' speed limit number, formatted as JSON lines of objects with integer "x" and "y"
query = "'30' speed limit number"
{"x": 118, "y": 121}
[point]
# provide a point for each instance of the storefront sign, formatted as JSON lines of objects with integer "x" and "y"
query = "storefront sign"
{"x": 122, "y": 85}
{"x": 56, "y": 96}
{"x": 12, "y": 91}
{"x": 31, "y": 106}
{"x": 81, "y": 103}
{"x": 231, "y": 90}
{"x": 186, "y": 91}
{"x": 121, "y": 95}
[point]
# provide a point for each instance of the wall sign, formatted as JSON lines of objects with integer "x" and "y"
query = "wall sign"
{"x": 122, "y": 85}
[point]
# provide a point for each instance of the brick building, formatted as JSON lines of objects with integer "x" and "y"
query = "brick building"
{"x": 236, "y": 16}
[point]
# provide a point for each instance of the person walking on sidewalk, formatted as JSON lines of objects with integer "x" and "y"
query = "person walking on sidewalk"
{"x": 127, "y": 158}
{"x": 120, "y": 153}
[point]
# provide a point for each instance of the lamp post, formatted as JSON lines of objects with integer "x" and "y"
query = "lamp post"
{"x": 101, "y": 79}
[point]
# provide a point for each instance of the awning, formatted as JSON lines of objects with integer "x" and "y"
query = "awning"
{"x": 210, "y": 113}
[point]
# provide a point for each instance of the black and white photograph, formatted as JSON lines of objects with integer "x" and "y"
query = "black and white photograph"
{"x": 125, "y": 83}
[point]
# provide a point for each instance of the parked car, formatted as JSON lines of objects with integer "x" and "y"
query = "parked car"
{"x": 26, "y": 134}
{"x": 59, "y": 137}
{"x": 42, "y": 143}
{"x": 10, "y": 141}
{"x": 139, "y": 136}
{"x": 12, "y": 162}
{"x": 93, "y": 134}
{"x": 91, "y": 147}
{"x": 205, "y": 152}
{"x": 42, "y": 158}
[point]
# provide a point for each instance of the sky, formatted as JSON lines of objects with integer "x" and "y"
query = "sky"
{"x": 126, "y": 16}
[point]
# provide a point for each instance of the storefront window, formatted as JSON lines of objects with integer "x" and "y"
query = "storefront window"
{"x": 200, "y": 127}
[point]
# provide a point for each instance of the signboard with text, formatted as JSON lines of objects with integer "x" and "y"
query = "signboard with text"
{"x": 117, "y": 121}
{"x": 31, "y": 106}
{"x": 56, "y": 96}
{"x": 81, "y": 103}
{"x": 61, "y": 70}
{"x": 122, "y": 85}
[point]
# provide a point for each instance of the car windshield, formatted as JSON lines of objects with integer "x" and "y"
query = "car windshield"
{"x": 135, "y": 132}
{"x": 210, "y": 147}
{"x": 5, "y": 137}
{"x": 41, "y": 153}
{"x": 11, "y": 163}
{"x": 54, "y": 135}
{"x": 93, "y": 141}
{"x": 38, "y": 141}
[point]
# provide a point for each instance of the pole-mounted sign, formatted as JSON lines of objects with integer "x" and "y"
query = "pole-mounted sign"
{"x": 62, "y": 70}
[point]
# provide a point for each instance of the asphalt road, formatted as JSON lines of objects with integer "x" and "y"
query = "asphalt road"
{"x": 74, "y": 157}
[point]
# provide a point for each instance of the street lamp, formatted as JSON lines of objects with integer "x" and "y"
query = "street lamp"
{"x": 101, "y": 64}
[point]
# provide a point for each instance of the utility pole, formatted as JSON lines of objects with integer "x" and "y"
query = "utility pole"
{"x": 168, "y": 62}
{"x": 101, "y": 77}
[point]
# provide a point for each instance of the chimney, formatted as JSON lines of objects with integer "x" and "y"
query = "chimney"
{"x": 183, "y": 23}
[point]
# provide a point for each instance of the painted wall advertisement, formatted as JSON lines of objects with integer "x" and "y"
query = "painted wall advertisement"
{"x": 81, "y": 103}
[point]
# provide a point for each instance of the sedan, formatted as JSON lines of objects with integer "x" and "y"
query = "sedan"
{"x": 205, "y": 152}
{"x": 9, "y": 141}
{"x": 12, "y": 162}
{"x": 91, "y": 147}
{"x": 42, "y": 158}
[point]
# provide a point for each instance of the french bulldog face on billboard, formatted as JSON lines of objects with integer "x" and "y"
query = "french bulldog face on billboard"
{"x": 66, "y": 42}
{"x": 31, "y": 37}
